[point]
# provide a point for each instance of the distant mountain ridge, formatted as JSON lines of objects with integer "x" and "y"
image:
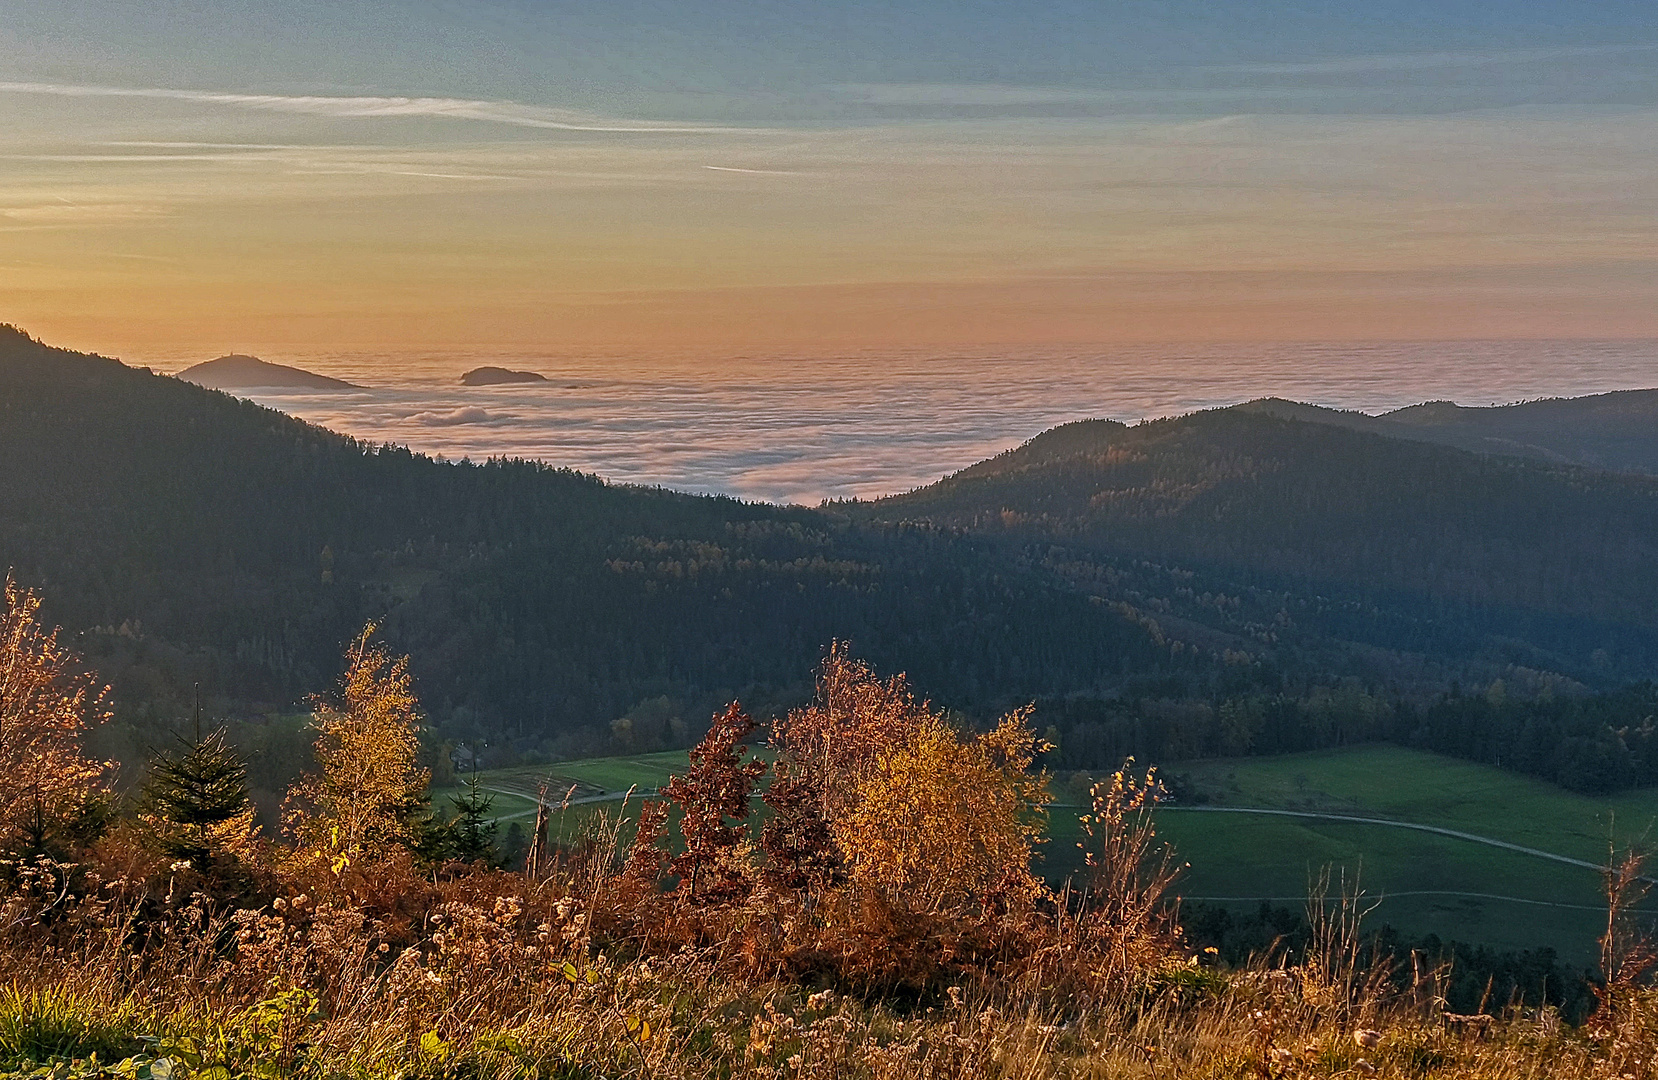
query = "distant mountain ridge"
{"x": 1616, "y": 431}
{"x": 1250, "y": 528}
{"x": 240, "y": 372}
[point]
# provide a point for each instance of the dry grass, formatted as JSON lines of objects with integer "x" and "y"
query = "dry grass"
{"x": 353, "y": 961}
{"x": 498, "y": 976}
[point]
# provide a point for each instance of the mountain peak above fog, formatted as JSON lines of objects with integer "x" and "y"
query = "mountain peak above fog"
{"x": 492, "y": 376}
{"x": 239, "y": 372}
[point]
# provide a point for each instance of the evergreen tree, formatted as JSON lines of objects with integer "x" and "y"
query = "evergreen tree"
{"x": 472, "y": 831}
{"x": 197, "y": 798}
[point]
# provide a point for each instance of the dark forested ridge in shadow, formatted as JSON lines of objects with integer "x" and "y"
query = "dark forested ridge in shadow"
{"x": 186, "y": 535}
{"x": 1616, "y": 431}
{"x": 1227, "y": 582}
{"x": 1285, "y": 534}
{"x": 1399, "y": 590}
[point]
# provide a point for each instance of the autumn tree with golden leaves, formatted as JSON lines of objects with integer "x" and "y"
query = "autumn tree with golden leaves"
{"x": 946, "y": 817}
{"x": 365, "y": 801}
{"x": 824, "y": 751}
{"x": 876, "y": 785}
{"x": 47, "y": 704}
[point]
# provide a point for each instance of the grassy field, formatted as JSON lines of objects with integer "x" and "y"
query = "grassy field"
{"x": 1423, "y": 883}
{"x": 1410, "y": 785}
{"x": 592, "y": 785}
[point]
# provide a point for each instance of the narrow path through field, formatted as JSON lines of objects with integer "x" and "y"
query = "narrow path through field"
{"x": 1455, "y": 833}
{"x": 1414, "y": 892}
{"x": 609, "y": 796}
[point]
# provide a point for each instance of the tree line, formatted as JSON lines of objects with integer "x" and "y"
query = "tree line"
{"x": 1591, "y": 743}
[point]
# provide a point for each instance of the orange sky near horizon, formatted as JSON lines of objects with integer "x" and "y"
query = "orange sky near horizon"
{"x": 135, "y": 228}
{"x": 801, "y": 320}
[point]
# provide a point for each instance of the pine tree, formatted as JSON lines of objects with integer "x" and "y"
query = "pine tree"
{"x": 197, "y": 798}
{"x": 472, "y": 831}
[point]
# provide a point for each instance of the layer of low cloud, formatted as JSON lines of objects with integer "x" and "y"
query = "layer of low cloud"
{"x": 803, "y": 431}
{"x": 460, "y": 415}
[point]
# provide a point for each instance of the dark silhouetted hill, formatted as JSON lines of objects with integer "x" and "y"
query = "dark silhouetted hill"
{"x": 495, "y": 376}
{"x": 1270, "y": 531}
{"x": 238, "y": 372}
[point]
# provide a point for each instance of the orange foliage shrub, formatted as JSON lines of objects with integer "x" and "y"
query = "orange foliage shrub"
{"x": 824, "y": 752}
{"x": 944, "y": 818}
{"x": 716, "y": 792}
{"x": 857, "y": 716}
{"x": 46, "y": 706}
{"x": 874, "y": 783}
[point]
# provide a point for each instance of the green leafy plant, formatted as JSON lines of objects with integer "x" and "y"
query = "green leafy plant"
{"x": 41, "y": 1026}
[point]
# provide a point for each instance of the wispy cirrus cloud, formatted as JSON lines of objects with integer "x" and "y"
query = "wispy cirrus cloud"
{"x": 367, "y": 107}
{"x": 1424, "y": 61}
{"x": 752, "y": 172}
{"x": 64, "y": 211}
{"x": 988, "y": 95}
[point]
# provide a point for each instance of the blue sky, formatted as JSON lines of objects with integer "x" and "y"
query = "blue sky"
{"x": 220, "y": 172}
{"x": 738, "y": 59}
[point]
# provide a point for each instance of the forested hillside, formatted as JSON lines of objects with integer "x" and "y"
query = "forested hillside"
{"x": 1275, "y": 536}
{"x": 1617, "y": 431}
{"x": 1224, "y": 583}
{"x": 185, "y": 535}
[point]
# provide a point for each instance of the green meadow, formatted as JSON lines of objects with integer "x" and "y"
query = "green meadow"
{"x": 1420, "y": 883}
{"x": 576, "y": 789}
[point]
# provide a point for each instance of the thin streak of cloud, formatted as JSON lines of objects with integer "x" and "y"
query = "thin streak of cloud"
{"x": 753, "y": 172}
{"x": 448, "y": 176}
{"x": 1428, "y": 61}
{"x": 131, "y": 255}
{"x": 65, "y": 211}
{"x": 963, "y": 94}
{"x": 494, "y": 112}
{"x": 1005, "y": 96}
{"x": 91, "y": 158}
{"x": 157, "y": 144}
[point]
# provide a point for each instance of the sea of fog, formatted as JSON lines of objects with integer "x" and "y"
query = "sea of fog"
{"x": 803, "y": 430}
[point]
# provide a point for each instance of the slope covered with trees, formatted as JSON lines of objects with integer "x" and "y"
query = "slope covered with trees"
{"x": 1224, "y": 583}
{"x": 187, "y": 536}
{"x": 1616, "y": 431}
{"x": 1278, "y": 537}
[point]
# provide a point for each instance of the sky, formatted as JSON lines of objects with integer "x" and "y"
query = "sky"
{"x": 188, "y": 177}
